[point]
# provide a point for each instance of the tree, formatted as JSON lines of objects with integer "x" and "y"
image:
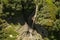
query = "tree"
{"x": 37, "y": 14}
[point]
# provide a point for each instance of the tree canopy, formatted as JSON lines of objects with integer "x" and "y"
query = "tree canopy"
{"x": 14, "y": 14}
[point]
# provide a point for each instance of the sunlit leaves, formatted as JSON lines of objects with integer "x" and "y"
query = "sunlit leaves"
{"x": 52, "y": 8}
{"x": 48, "y": 11}
{"x": 9, "y": 33}
{"x": 47, "y": 22}
{"x": 38, "y": 2}
{"x": 49, "y": 1}
{"x": 5, "y": 1}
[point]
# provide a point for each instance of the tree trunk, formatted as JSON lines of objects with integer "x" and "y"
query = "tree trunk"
{"x": 36, "y": 11}
{"x": 34, "y": 19}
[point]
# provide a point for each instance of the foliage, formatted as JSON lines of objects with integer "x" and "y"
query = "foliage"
{"x": 8, "y": 34}
{"x": 49, "y": 16}
{"x": 11, "y": 11}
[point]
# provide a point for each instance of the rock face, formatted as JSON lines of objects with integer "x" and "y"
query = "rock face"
{"x": 23, "y": 35}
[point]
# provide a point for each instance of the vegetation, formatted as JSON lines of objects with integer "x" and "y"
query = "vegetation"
{"x": 38, "y": 14}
